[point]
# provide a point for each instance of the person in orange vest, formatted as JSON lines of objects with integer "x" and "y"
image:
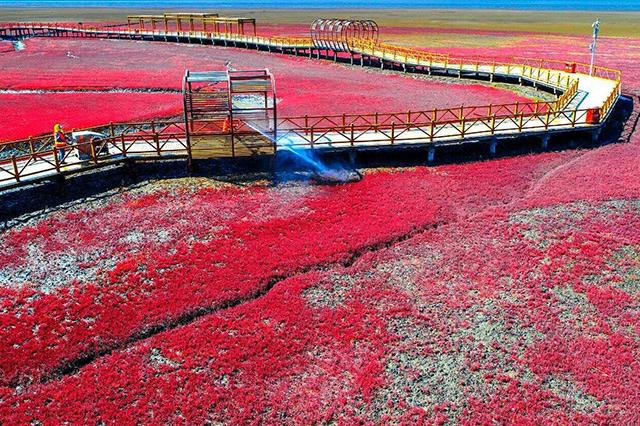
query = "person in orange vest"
{"x": 226, "y": 124}
{"x": 60, "y": 142}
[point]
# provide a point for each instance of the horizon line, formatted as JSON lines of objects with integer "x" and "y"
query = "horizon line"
{"x": 500, "y": 9}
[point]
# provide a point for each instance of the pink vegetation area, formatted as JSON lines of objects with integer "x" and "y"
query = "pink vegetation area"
{"x": 503, "y": 291}
{"x": 23, "y": 115}
{"x": 6, "y": 46}
{"x": 507, "y": 304}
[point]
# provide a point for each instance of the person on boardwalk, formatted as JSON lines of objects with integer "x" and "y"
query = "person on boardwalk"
{"x": 226, "y": 125}
{"x": 59, "y": 142}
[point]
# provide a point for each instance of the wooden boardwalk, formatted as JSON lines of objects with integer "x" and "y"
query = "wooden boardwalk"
{"x": 584, "y": 104}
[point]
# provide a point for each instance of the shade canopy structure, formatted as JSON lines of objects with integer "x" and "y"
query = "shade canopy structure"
{"x": 336, "y": 34}
{"x": 229, "y": 113}
{"x": 191, "y": 22}
{"x": 227, "y": 25}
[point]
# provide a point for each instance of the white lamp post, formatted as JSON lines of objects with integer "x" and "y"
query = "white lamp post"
{"x": 592, "y": 46}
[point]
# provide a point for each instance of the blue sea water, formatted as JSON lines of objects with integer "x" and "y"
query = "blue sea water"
{"x": 601, "y": 5}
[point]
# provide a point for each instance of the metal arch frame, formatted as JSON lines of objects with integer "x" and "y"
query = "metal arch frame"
{"x": 334, "y": 34}
{"x": 372, "y": 27}
{"x": 335, "y": 28}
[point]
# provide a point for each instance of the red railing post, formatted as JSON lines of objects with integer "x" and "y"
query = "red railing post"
{"x": 156, "y": 137}
{"x": 124, "y": 146}
{"x": 31, "y": 148}
{"x": 547, "y": 119}
{"x": 94, "y": 156}
{"x": 520, "y": 116}
{"x": 393, "y": 131}
{"x": 15, "y": 168}
{"x": 352, "y": 135}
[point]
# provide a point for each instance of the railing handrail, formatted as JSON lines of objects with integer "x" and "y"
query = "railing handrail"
{"x": 163, "y": 125}
{"x": 442, "y": 111}
{"x": 431, "y": 130}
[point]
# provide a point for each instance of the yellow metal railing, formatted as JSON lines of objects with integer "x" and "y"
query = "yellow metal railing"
{"x": 564, "y": 82}
{"x": 580, "y": 67}
{"x": 611, "y": 100}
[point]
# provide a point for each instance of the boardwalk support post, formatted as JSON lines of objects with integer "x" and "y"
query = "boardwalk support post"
{"x": 352, "y": 157}
{"x": 493, "y": 145}
{"x": 545, "y": 141}
{"x": 431, "y": 154}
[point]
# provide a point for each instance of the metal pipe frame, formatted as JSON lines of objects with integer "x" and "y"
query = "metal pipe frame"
{"x": 335, "y": 34}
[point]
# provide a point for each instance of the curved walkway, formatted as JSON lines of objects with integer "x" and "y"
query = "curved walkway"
{"x": 584, "y": 104}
